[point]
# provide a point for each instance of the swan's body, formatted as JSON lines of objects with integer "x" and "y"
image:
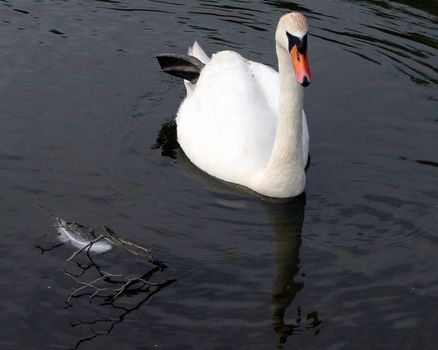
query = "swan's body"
{"x": 244, "y": 123}
{"x": 226, "y": 125}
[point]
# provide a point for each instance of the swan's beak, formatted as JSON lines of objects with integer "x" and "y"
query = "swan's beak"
{"x": 301, "y": 66}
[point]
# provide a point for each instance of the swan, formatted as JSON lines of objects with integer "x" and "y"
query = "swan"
{"x": 241, "y": 121}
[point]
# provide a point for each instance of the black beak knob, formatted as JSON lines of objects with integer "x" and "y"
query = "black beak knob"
{"x": 305, "y": 82}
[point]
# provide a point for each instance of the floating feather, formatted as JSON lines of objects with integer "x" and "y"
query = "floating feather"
{"x": 80, "y": 236}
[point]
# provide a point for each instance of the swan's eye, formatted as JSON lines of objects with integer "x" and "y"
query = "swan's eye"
{"x": 303, "y": 48}
{"x": 292, "y": 41}
{"x": 301, "y": 44}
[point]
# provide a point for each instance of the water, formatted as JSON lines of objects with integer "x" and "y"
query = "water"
{"x": 86, "y": 132}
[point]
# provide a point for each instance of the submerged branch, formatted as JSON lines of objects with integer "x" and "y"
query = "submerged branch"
{"x": 132, "y": 248}
{"x": 97, "y": 283}
{"x": 86, "y": 247}
{"x": 89, "y": 239}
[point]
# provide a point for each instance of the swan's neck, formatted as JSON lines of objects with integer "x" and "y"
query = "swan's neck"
{"x": 284, "y": 175}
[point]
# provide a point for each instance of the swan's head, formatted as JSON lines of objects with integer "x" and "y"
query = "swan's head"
{"x": 291, "y": 35}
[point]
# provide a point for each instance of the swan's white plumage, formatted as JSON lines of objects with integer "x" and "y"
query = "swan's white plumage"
{"x": 197, "y": 51}
{"x": 227, "y": 123}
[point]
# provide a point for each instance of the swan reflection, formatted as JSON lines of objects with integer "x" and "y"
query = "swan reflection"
{"x": 287, "y": 223}
{"x": 286, "y": 217}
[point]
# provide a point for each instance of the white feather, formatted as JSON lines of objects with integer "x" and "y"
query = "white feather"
{"x": 79, "y": 237}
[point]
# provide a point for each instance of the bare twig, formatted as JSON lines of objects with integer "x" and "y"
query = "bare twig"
{"x": 108, "y": 235}
{"x": 127, "y": 283}
{"x": 132, "y": 248}
{"x": 95, "y": 283}
{"x": 86, "y": 247}
{"x": 116, "y": 292}
{"x": 120, "y": 317}
{"x": 48, "y": 249}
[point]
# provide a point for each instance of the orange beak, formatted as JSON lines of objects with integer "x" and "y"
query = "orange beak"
{"x": 301, "y": 66}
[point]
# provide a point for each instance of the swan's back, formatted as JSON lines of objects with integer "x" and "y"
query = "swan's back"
{"x": 226, "y": 124}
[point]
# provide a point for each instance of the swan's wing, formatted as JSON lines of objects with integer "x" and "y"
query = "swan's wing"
{"x": 306, "y": 139}
{"x": 227, "y": 123}
{"x": 268, "y": 82}
{"x": 225, "y": 126}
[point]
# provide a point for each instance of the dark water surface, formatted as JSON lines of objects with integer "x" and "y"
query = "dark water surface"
{"x": 351, "y": 265}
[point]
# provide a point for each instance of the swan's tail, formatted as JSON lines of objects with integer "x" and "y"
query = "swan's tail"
{"x": 196, "y": 51}
{"x": 182, "y": 66}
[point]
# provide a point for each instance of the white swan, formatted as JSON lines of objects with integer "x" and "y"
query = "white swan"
{"x": 241, "y": 121}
